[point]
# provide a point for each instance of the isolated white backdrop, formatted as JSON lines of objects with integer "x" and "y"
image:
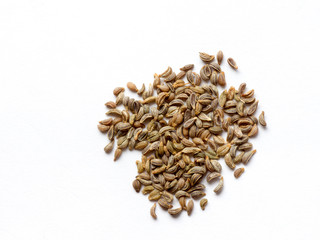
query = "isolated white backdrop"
{"x": 59, "y": 62}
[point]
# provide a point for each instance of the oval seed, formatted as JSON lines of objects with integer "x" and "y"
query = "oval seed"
{"x": 232, "y": 63}
{"x": 132, "y": 87}
{"x": 190, "y": 207}
{"x": 219, "y": 57}
{"x": 136, "y": 185}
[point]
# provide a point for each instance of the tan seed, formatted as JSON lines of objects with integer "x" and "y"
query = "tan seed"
{"x": 175, "y": 211}
{"x": 232, "y": 63}
{"x": 203, "y": 203}
{"x": 190, "y": 207}
{"x": 118, "y": 90}
{"x": 109, "y": 147}
{"x": 153, "y": 211}
{"x": 206, "y": 57}
{"x": 219, "y": 186}
{"x": 219, "y": 57}
{"x": 132, "y": 87}
{"x": 262, "y": 120}
{"x": 238, "y": 172}
{"x": 117, "y": 154}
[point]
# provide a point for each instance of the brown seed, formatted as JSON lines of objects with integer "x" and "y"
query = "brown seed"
{"x": 111, "y": 104}
{"x": 262, "y": 120}
{"x": 190, "y": 207}
{"x": 232, "y": 63}
{"x": 238, "y": 172}
{"x": 219, "y": 57}
{"x": 164, "y": 204}
{"x": 109, "y": 147}
{"x": 223, "y": 150}
{"x": 117, "y": 154}
{"x": 132, "y": 87}
{"x": 103, "y": 128}
{"x": 221, "y": 79}
{"x": 136, "y": 185}
{"x": 118, "y": 90}
{"x": 206, "y": 57}
{"x": 228, "y": 161}
{"x": 182, "y": 202}
{"x": 187, "y": 67}
{"x": 213, "y": 176}
{"x": 203, "y": 203}
{"x": 198, "y": 194}
{"x": 153, "y": 211}
{"x": 247, "y": 156}
{"x": 219, "y": 186}
{"x": 175, "y": 211}
{"x": 254, "y": 131}
{"x": 166, "y": 73}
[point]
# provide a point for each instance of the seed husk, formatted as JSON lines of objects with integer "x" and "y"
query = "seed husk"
{"x": 238, "y": 172}
{"x": 203, "y": 203}
{"x": 232, "y": 63}
{"x": 103, "y": 128}
{"x": 153, "y": 211}
{"x": 262, "y": 120}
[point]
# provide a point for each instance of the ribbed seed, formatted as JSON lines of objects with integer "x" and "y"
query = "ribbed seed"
{"x": 262, "y": 120}
{"x": 153, "y": 211}
{"x": 203, "y": 203}
{"x": 238, "y": 172}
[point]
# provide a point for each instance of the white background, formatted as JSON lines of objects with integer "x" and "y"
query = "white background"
{"x": 59, "y": 62}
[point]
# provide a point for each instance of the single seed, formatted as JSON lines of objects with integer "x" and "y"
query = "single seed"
{"x": 117, "y": 154}
{"x": 109, "y": 147}
{"x": 118, "y": 90}
{"x": 219, "y": 57}
{"x": 153, "y": 211}
{"x": 219, "y": 186}
{"x": 232, "y": 63}
{"x": 136, "y": 185}
{"x": 262, "y": 120}
{"x": 238, "y": 172}
{"x": 132, "y": 87}
{"x": 203, "y": 203}
{"x": 175, "y": 211}
{"x": 190, "y": 207}
{"x": 206, "y": 57}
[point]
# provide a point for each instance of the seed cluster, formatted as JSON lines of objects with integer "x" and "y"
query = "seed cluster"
{"x": 178, "y": 131}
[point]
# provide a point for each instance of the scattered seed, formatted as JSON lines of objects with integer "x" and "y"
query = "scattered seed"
{"x": 232, "y": 63}
{"x": 153, "y": 211}
{"x": 203, "y": 203}
{"x": 262, "y": 120}
{"x": 238, "y": 172}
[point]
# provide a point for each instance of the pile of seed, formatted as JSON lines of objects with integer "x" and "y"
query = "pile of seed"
{"x": 178, "y": 130}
